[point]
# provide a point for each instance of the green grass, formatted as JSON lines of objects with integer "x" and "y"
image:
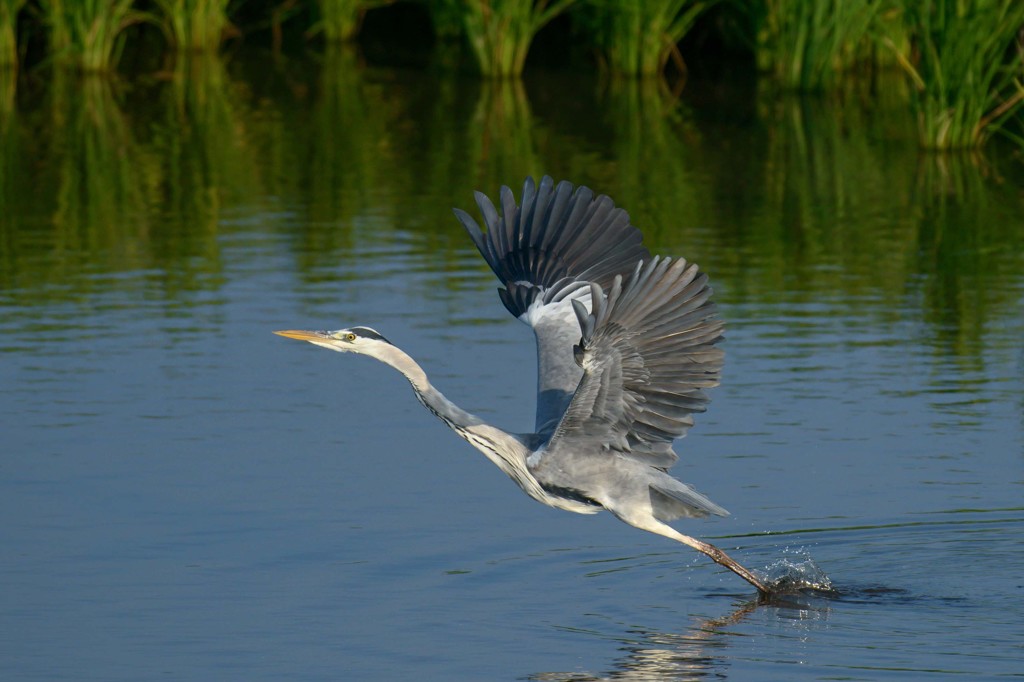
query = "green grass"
{"x": 9, "y": 10}
{"x": 639, "y": 37}
{"x": 340, "y": 19}
{"x": 196, "y": 25}
{"x": 967, "y": 69}
{"x": 964, "y": 59}
{"x": 446, "y": 16}
{"x": 89, "y": 34}
{"x": 500, "y": 31}
{"x": 809, "y": 44}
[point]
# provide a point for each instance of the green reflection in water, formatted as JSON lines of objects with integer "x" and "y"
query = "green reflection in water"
{"x": 199, "y": 131}
{"x": 74, "y": 199}
{"x": 101, "y": 195}
{"x": 12, "y": 154}
{"x": 823, "y": 204}
{"x": 781, "y": 199}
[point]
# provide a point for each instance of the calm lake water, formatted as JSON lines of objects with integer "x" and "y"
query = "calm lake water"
{"x": 184, "y": 495}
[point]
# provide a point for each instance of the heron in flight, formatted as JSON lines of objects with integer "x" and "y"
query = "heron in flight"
{"x": 625, "y": 351}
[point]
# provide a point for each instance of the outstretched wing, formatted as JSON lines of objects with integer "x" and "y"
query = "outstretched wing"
{"x": 647, "y": 352}
{"x": 546, "y": 251}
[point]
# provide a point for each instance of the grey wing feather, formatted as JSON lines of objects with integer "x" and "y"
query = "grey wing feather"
{"x": 647, "y": 352}
{"x": 546, "y": 251}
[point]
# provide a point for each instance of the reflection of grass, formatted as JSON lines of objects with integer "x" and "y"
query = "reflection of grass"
{"x": 205, "y": 156}
{"x": 89, "y": 34}
{"x": 500, "y": 31}
{"x": 639, "y": 37}
{"x": 822, "y": 179}
{"x": 501, "y": 141}
{"x": 969, "y": 235}
{"x": 951, "y": 192}
{"x": 101, "y": 194}
{"x": 491, "y": 142}
{"x": 799, "y": 200}
{"x": 835, "y": 211}
{"x": 111, "y": 188}
{"x": 349, "y": 147}
{"x": 363, "y": 144}
{"x": 653, "y": 155}
{"x": 965, "y": 81}
{"x": 15, "y": 186}
{"x": 830, "y": 203}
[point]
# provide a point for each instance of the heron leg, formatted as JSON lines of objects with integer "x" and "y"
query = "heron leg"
{"x": 723, "y": 559}
{"x": 714, "y": 553}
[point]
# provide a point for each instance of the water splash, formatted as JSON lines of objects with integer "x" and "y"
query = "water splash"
{"x": 788, "y": 575}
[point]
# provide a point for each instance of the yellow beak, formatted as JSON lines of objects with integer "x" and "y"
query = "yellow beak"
{"x": 302, "y": 335}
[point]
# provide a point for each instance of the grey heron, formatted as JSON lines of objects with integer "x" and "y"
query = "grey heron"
{"x": 625, "y": 351}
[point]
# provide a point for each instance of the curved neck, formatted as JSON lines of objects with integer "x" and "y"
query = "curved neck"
{"x": 504, "y": 449}
{"x": 431, "y": 398}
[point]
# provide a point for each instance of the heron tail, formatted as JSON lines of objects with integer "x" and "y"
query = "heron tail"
{"x": 671, "y": 502}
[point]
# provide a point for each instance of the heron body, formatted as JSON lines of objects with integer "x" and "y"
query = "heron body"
{"x": 626, "y": 346}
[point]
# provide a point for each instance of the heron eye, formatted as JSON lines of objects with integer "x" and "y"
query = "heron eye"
{"x": 350, "y": 337}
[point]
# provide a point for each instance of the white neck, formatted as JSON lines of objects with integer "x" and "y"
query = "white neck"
{"x": 506, "y": 450}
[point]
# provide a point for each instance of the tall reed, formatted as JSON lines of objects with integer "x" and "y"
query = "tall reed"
{"x": 196, "y": 25}
{"x": 9, "y": 31}
{"x": 340, "y": 20}
{"x": 808, "y": 44}
{"x": 8, "y": 85}
{"x": 446, "y": 17}
{"x": 500, "y": 31}
{"x": 89, "y": 34}
{"x": 639, "y": 37}
{"x": 968, "y": 70}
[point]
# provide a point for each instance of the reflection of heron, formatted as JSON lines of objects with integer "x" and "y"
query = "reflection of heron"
{"x": 609, "y": 407}
{"x": 698, "y": 652}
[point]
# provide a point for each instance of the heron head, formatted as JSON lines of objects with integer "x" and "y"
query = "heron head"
{"x": 362, "y": 340}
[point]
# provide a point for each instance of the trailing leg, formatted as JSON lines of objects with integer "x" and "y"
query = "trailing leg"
{"x": 715, "y": 554}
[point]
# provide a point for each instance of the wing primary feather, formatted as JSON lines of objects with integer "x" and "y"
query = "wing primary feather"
{"x": 556, "y": 215}
{"x": 539, "y": 214}
{"x": 556, "y": 241}
{"x": 509, "y": 212}
{"x": 472, "y": 228}
{"x": 646, "y": 348}
{"x": 487, "y": 209}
